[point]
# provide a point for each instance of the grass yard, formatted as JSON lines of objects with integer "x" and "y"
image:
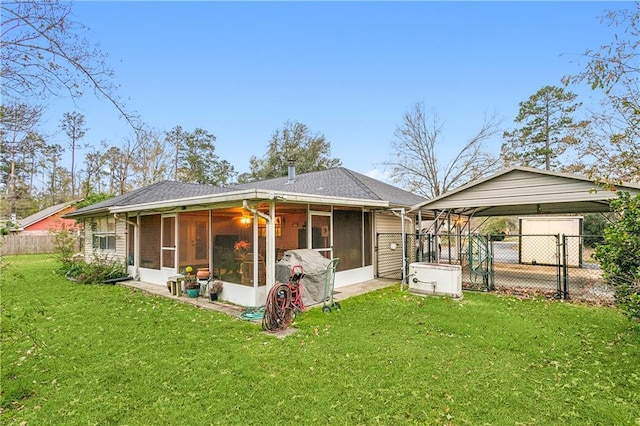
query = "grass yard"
{"x": 109, "y": 355}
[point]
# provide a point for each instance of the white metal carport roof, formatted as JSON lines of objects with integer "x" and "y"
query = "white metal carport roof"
{"x": 526, "y": 191}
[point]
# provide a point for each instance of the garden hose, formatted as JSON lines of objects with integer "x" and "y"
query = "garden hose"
{"x": 278, "y": 309}
{"x": 252, "y": 314}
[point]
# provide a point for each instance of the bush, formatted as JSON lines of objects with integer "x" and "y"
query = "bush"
{"x": 593, "y": 228}
{"x": 619, "y": 255}
{"x": 99, "y": 270}
{"x": 64, "y": 242}
{"x": 498, "y": 236}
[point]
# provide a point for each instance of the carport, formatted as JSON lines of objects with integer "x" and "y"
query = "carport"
{"x": 518, "y": 191}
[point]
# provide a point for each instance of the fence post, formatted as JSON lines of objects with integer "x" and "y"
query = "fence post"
{"x": 559, "y": 292}
{"x": 565, "y": 268}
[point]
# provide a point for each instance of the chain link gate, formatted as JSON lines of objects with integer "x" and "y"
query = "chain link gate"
{"x": 389, "y": 254}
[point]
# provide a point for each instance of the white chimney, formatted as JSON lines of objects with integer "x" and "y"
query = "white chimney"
{"x": 291, "y": 171}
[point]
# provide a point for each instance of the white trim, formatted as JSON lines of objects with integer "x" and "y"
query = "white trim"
{"x": 250, "y": 195}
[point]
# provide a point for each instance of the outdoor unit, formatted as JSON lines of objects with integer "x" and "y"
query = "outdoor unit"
{"x": 435, "y": 279}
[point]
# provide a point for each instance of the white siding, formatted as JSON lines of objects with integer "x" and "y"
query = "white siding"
{"x": 121, "y": 240}
{"x": 387, "y": 223}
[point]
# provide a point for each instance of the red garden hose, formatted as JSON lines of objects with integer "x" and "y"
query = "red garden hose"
{"x": 283, "y": 302}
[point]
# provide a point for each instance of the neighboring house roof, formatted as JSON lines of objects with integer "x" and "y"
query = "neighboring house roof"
{"x": 43, "y": 214}
{"x": 338, "y": 183}
{"x": 526, "y": 191}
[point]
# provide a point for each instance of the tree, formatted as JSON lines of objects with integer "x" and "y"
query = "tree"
{"x": 548, "y": 129}
{"x": 74, "y": 127}
{"x": 175, "y": 138}
{"x": 49, "y": 165}
{"x": 94, "y": 172}
{"x": 18, "y": 127}
{"x": 153, "y": 157}
{"x": 195, "y": 159}
{"x": 43, "y": 52}
{"x": 415, "y": 163}
{"x": 118, "y": 162}
{"x": 619, "y": 256}
{"x": 294, "y": 141}
{"x": 612, "y": 150}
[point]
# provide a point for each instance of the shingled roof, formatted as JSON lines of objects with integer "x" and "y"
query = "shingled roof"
{"x": 338, "y": 182}
{"x": 43, "y": 214}
{"x": 159, "y": 191}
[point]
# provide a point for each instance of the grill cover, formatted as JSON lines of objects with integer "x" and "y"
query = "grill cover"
{"x": 314, "y": 266}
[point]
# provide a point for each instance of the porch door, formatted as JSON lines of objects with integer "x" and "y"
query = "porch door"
{"x": 169, "y": 243}
{"x": 194, "y": 242}
{"x": 321, "y": 234}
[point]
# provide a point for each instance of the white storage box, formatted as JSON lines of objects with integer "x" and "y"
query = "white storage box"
{"x": 435, "y": 279}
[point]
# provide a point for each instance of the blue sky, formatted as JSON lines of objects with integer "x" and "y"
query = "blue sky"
{"x": 348, "y": 70}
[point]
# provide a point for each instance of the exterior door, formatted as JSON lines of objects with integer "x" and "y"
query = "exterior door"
{"x": 321, "y": 234}
{"x": 168, "y": 252}
{"x": 194, "y": 239}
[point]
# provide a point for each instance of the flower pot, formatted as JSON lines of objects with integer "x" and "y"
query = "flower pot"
{"x": 213, "y": 296}
{"x": 193, "y": 292}
{"x": 203, "y": 273}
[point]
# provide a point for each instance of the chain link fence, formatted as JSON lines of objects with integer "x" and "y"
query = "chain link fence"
{"x": 389, "y": 254}
{"x": 552, "y": 266}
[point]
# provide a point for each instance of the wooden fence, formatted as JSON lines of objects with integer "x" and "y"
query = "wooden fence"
{"x": 28, "y": 243}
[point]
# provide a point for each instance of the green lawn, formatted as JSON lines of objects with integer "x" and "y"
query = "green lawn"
{"x": 106, "y": 355}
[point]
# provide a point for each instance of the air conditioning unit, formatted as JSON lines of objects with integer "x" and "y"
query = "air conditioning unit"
{"x": 435, "y": 279}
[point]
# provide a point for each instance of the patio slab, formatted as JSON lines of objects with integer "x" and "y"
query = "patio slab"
{"x": 340, "y": 294}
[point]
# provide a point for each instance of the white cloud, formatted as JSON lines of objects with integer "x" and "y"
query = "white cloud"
{"x": 380, "y": 175}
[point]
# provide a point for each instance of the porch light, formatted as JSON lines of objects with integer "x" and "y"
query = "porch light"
{"x": 245, "y": 220}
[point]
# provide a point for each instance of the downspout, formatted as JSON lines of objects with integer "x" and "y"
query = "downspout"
{"x": 404, "y": 243}
{"x": 270, "y": 261}
{"x": 136, "y": 245}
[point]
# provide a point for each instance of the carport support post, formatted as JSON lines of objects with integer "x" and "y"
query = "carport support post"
{"x": 404, "y": 249}
{"x": 565, "y": 269}
{"x": 420, "y": 236}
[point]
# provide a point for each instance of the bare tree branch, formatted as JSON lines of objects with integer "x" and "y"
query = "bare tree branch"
{"x": 42, "y": 52}
{"x": 415, "y": 163}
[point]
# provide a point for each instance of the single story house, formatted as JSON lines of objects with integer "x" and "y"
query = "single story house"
{"x": 49, "y": 219}
{"x": 240, "y": 231}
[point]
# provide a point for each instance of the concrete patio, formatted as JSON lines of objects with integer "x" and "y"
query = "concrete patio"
{"x": 235, "y": 310}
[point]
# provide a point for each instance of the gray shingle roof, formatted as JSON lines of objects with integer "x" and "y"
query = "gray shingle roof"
{"x": 338, "y": 182}
{"x": 159, "y": 191}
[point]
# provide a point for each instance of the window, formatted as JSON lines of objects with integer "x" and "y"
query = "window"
{"x": 104, "y": 233}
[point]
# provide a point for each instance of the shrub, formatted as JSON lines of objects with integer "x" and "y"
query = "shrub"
{"x": 99, "y": 270}
{"x": 593, "y": 228}
{"x": 497, "y": 236}
{"x": 619, "y": 255}
{"x": 64, "y": 242}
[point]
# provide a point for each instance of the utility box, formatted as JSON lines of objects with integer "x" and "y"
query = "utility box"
{"x": 435, "y": 279}
{"x": 537, "y": 245}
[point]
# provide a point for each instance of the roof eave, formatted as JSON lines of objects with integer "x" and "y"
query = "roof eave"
{"x": 249, "y": 195}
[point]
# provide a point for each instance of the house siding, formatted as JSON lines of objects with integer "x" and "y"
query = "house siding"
{"x": 88, "y": 239}
{"x": 54, "y": 222}
{"x": 120, "y": 253}
{"x": 121, "y": 240}
{"x": 387, "y": 224}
